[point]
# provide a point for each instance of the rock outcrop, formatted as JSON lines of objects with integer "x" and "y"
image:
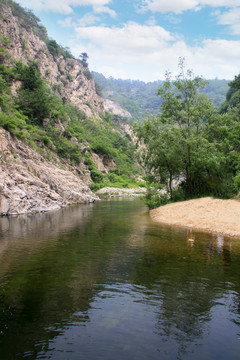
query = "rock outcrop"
{"x": 28, "y": 183}
{"x": 121, "y": 192}
{"x": 115, "y": 108}
{"x": 67, "y": 76}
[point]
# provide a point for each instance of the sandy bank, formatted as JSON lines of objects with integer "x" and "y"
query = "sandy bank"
{"x": 205, "y": 214}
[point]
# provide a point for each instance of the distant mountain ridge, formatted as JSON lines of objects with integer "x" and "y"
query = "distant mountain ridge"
{"x": 138, "y": 97}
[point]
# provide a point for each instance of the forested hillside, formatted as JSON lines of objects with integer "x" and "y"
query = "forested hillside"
{"x": 139, "y": 97}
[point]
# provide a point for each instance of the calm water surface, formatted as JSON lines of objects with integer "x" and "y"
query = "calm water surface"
{"x": 103, "y": 282}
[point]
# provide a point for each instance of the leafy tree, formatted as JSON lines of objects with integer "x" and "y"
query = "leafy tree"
{"x": 233, "y": 95}
{"x": 33, "y": 96}
{"x": 84, "y": 57}
{"x": 175, "y": 144}
{"x": 224, "y": 133}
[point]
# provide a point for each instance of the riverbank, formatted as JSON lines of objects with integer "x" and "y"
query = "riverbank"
{"x": 206, "y": 214}
{"x": 30, "y": 184}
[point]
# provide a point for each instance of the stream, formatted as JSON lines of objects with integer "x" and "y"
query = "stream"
{"x": 102, "y": 281}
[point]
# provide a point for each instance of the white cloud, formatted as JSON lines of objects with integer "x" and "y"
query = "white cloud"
{"x": 86, "y": 20}
{"x": 104, "y": 9}
{"x": 128, "y": 39}
{"x": 145, "y": 52}
{"x": 232, "y": 19}
{"x": 178, "y": 7}
{"x": 151, "y": 21}
{"x": 175, "y": 6}
{"x": 63, "y": 6}
{"x": 67, "y": 22}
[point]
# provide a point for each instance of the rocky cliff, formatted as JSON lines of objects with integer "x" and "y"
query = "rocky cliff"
{"x": 28, "y": 183}
{"x": 67, "y": 76}
{"x": 115, "y": 108}
{"x": 79, "y": 142}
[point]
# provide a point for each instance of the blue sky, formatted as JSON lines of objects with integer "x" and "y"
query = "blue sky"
{"x": 142, "y": 39}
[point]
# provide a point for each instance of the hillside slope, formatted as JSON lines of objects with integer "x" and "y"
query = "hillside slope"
{"x": 138, "y": 98}
{"x": 51, "y": 110}
{"x": 25, "y": 40}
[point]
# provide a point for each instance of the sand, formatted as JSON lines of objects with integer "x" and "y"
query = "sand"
{"x": 206, "y": 214}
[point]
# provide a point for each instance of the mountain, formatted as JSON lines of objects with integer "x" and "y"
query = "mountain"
{"x": 56, "y": 139}
{"x": 139, "y": 98}
{"x": 24, "y": 39}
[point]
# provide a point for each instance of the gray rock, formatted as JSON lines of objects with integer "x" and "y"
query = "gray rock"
{"x": 31, "y": 184}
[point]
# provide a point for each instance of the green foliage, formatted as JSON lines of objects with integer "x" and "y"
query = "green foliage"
{"x": 8, "y": 122}
{"x": 3, "y": 85}
{"x": 87, "y": 74}
{"x": 33, "y": 96}
{"x": 56, "y": 49}
{"x": 236, "y": 181}
{"x": 5, "y": 99}
{"x": 13, "y": 123}
{"x": 6, "y": 73}
{"x": 53, "y": 47}
{"x": 84, "y": 57}
{"x": 216, "y": 90}
{"x": 136, "y": 97}
{"x": 233, "y": 95}
{"x": 154, "y": 198}
{"x": 4, "y": 55}
{"x": 139, "y": 98}
{"x": 98, "y": 89}
{"x": 35, "y": 112}
{"x": 189, "y": 142}
{"x": 29, "y": 20}
{"x": 5, "y": 41}
{"x": 96, "y": 175}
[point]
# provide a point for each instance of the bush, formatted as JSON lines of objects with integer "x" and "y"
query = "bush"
{"x": 154, "y": 198}
{"x": 8, "y": 122}
{"x": 96, "y": 176}
{"x": 95, "y": 187}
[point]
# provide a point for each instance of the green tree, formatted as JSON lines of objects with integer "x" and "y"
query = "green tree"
{"x": 233, "y": 95}
{"x": 33, "y": 96}
{"x": 175, "y": 144}
{"x": 84, "y": 57}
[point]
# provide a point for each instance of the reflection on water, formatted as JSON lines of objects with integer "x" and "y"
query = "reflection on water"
{"x": 103, "y": 282}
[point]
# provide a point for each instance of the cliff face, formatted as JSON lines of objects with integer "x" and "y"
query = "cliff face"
{"x": 76, "y": 149}
{"x": 28, "y": 183}
{"x": 67, "y": 76}
{"x": 115, "y": 108}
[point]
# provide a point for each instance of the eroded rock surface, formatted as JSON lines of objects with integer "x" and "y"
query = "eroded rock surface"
{"x": 28, "y": 183}
{"x": 67, "y": 76}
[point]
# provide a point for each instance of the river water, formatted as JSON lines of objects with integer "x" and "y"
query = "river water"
{"x": 102, "y": 281}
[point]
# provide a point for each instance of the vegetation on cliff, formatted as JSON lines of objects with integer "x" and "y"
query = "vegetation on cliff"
{"x": 41, "y": 115}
